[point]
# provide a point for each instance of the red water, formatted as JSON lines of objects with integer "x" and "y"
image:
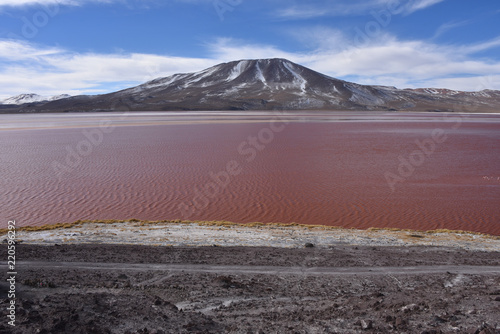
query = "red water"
{"x": 308, "y": 172}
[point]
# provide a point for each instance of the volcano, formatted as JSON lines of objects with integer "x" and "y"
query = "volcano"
{"x": 267, "y": 84}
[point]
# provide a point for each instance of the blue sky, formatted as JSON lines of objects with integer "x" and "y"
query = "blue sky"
{"x": 51, "y": 47}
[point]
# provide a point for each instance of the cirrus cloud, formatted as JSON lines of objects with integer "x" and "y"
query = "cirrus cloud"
{"x": 346, "y": 8}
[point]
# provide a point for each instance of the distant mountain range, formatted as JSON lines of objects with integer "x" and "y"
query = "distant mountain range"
{"x": 263, "y": 84}
{"x": 32, "y": 98}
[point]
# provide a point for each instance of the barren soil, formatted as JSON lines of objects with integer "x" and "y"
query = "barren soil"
{"x": 103, "y": 288}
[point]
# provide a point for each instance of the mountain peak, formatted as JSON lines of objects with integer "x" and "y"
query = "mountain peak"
{"x": 23, "y": 98}
{"x": 32, "y": 98}
{"x": 274, "y": 73}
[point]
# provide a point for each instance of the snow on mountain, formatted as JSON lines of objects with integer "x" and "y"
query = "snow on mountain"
{"x": 58, "y": 97}
{"x": 23, "y": 98}
{"x": 32, "y": 98}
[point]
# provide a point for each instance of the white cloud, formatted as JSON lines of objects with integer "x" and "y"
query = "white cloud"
{"x": 445, "y": 27}
{"x": 415, "y": 5}
{"x": 474, "y": 83}
{"x": 19, "y": 50}
{"x": 474, "y": 48}
{"x": 25, "y": 3}
{"x": 20, "y": 3}
{"x": 227, "y": 49}
{"x": 26, "y": 68}
{"x": 345, "y": 8}
{"x": 320, "y": 37}
{"x": 303, "y": 12}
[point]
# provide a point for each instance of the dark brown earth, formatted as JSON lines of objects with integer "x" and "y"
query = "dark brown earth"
{"x": 143, "y": 289}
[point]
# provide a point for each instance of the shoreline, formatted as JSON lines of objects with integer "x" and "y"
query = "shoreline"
{"x": 179, "y": 233}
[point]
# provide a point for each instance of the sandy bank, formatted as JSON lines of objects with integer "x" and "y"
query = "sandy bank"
{"x": 177, "y": 233}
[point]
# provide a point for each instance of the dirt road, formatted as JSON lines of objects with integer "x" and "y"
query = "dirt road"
{"x": 263, "y": 270}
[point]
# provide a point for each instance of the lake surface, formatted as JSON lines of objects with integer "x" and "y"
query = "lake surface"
{"x": 414, "y": 170}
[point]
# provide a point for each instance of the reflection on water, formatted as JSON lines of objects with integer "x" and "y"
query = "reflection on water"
{"x": 314, "y": 168}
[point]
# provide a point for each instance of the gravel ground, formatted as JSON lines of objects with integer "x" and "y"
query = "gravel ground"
{"x": 121, "y": 278}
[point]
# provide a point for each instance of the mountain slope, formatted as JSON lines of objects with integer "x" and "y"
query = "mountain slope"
{"x": 268, "y": 84}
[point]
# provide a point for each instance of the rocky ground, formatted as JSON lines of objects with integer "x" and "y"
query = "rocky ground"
{"x": 102, "y": 288}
